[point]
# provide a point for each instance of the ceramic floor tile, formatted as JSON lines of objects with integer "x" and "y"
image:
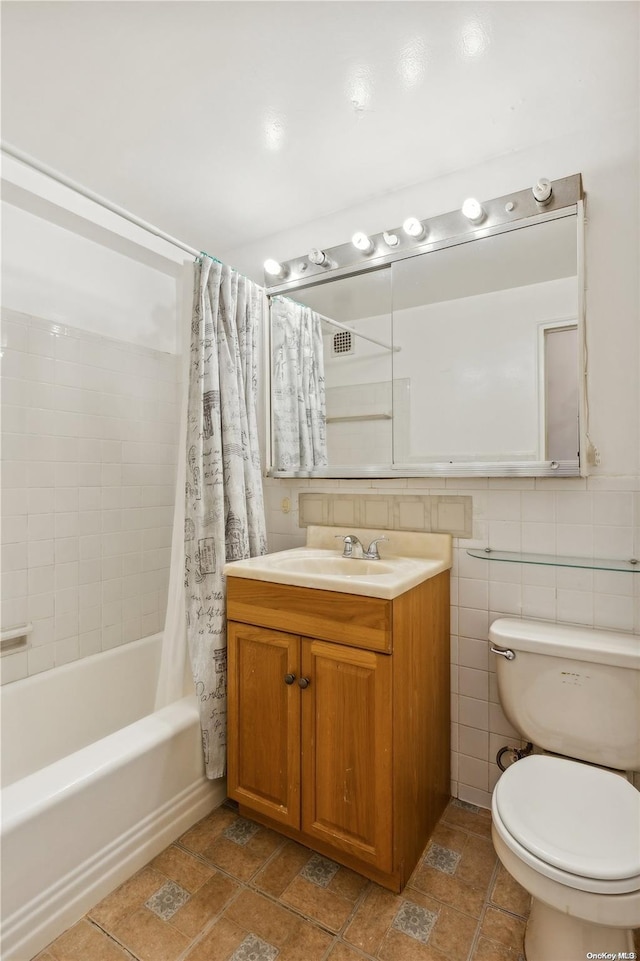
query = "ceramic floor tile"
{"x": 493, "y": 951}
{"x": 294, "y": 938}
{"x": 456, "y": 868}
{"x": 503, "y": 928}
{"x": 207, "y": 902}
{"x": 341, "y": 952}
{"x": 321, "y": 905}
{"x": 231, "y": 890}
{"x": 507, "y": 894}
{"x": 183, "y": 868}
{"x": 202, "y": 834}
{"x": 218, "y": 943}
{"x": 422, "y": 927}
{"x": 83, "y": 941}
{"x": 241, "y": 853}
{"x": 468, "y": 816}
{"x": 127, "y": 898}
{"x": 282, "y": 868}
{"x": 149, "y": 938}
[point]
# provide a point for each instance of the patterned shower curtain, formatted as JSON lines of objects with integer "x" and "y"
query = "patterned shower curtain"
{"x": 224, "y": 510}
{"x": 299, "y": 408}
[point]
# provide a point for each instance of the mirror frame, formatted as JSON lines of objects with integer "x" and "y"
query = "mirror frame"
{"x": 502, "y": 215}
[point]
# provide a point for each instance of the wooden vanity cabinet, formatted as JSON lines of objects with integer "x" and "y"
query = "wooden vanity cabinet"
{"x": 338, "y": 718}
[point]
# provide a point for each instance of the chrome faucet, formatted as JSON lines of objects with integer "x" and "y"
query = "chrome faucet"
{"x": 353, "y": 543}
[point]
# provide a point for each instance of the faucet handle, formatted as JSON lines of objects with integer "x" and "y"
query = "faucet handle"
{"x": 372, "y": 550}
{"x": 350, "y": 541}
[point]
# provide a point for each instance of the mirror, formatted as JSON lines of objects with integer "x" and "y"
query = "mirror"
{"x": 460, "y": 360}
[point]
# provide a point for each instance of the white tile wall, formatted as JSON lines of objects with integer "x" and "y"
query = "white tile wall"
{"x": 89, "y": 444}
{"x": 587, "y": 517}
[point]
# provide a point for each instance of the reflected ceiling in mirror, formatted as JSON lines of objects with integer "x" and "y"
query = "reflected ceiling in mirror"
{"x": 458, "y": 360}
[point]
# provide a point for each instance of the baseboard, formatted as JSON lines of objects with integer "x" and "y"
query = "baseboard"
{"x": 37, "y": 923}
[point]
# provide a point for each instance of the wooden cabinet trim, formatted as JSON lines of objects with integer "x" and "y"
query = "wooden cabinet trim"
{"x": 363, "y": 622}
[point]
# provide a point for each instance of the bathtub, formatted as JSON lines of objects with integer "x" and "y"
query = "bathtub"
{"x": 94, "y": 784}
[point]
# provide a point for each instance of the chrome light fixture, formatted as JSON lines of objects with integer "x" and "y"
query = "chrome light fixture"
{"x": 391, "y": 240}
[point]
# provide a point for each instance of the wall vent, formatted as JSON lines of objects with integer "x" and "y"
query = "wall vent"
{"x": 343, "y": 342}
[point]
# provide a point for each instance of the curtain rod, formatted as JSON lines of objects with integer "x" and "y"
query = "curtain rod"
{"x": 336, "y": 323}
{"x": 352, "y": 330}
{"x": 25, "y": 158}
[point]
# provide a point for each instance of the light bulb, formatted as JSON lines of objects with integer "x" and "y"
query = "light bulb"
{"x": 473, "y": 210}
{"x": 542, "y": 190}
{"x": 414, "y": 228}
{"x": 273, "y": 267}
{"x": 362, "y": 242}
{"x": 318, "y": 257}
{"x": 391, "y": 240}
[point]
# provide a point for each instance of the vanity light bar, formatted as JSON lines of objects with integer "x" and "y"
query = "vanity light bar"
{"x": 558, "y": 198}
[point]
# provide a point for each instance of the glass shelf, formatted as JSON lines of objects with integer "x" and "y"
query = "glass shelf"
{"x": 552, "y": 560}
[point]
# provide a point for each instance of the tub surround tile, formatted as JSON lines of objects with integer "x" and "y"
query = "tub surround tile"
{"x": 100, "y": 424}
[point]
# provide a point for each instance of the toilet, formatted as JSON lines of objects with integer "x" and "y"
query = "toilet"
{"x": 566, "y": 819}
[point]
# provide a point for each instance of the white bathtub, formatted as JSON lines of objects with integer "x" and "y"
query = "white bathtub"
{"x": 94, "y": 784}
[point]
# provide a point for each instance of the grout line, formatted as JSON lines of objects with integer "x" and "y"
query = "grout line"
{"x": 112, "y": 937}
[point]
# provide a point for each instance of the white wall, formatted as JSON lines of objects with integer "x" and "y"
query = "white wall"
{"x": 52, "y": 272}
{"x": 595, "y": 516}
{"x": 473, "y": 365}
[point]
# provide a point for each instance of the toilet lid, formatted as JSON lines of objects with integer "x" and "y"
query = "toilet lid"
{"x": 581, "y": 819}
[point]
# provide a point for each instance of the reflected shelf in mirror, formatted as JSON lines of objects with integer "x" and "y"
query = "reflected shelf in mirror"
{"x": 632, "y": 566}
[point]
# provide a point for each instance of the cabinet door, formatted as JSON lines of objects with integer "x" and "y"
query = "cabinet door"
{"x": 264, "y": 721}
{"x": 346, "y": 750}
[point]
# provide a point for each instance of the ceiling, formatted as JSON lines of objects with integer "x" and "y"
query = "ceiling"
{"x": 224, "y": 122}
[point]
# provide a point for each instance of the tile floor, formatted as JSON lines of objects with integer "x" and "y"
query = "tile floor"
{"x": 230, "y": 890}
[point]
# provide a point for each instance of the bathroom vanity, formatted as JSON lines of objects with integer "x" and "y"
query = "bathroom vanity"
{"x": 338, "y": 700}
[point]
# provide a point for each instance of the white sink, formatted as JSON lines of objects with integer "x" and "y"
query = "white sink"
{"x": 326, "y": 562}
{"x": 407, "y": 559}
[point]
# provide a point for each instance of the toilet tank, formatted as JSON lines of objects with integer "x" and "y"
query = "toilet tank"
{"x": 571, "y": 690}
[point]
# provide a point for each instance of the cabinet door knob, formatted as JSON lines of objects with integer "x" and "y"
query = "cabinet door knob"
{"x": 304, "y": 682}
{"x": 289, "y": 678}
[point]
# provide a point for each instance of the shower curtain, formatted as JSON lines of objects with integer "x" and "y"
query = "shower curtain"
{"x": 224, "y": 510}
{"x": 299, "y": 407}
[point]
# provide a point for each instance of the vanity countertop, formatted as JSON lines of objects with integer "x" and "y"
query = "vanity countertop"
{"x": 406, "y": 559}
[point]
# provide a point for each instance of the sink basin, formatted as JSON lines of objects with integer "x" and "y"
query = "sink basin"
{"x": 320, "y": 566}
{"x": 342, "y": 566}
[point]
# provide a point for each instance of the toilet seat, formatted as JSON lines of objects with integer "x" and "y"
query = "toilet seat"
{"x": 577, "y": 824}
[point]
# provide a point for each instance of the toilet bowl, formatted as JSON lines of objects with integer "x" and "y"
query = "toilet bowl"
{"x": 569, "y": 833}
